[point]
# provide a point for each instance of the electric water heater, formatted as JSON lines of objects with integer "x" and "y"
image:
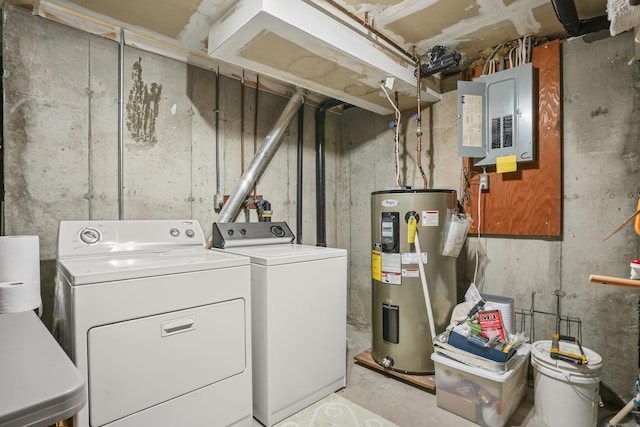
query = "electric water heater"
{"x": 401, "y": 337}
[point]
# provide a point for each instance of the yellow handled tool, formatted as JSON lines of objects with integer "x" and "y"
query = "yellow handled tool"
{"x": 555, "y": 353}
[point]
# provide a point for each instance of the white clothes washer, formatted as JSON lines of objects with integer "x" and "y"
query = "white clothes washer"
{"x": 299, "y": 316}
{"x": 158, "y": 325}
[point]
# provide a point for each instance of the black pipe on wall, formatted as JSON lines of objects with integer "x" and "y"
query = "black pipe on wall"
{"x": 300, "y": 165}
{"x": 321, "y": 226}
{"x": 568, "y": 17}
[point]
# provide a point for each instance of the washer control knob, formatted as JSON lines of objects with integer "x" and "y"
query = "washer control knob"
{"x": 90, "y": 235}
{"x": 243, "y": 231}
{"x": 174, "y": 232}
{"x": 230, "y": 232}
{"x": 189, "y": 232}
{"x": 277, "y": 231}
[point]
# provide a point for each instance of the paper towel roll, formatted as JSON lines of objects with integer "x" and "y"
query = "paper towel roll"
{"x": 19, "y": 273}
{"x": 16, "y": 297}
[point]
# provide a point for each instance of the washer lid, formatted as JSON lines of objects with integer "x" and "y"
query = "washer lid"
{"x": 286, "y": 254}
{"x": 82, "y": 271}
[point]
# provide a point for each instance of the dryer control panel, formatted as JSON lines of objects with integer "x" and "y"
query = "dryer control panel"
{"x": 232, "y": 234}
{"x": 89, "y": 238}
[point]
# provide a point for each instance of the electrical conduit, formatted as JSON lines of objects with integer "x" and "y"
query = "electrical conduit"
{"x": 121, "y": 125}
{"x": 419, "y": 129}
{"x": 218, "y": 196}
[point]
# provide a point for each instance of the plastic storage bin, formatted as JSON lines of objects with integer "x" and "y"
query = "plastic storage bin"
{"x": 484, "y": 397}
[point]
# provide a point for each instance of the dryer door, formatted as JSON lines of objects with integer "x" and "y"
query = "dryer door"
{"x": 139, "y": 363}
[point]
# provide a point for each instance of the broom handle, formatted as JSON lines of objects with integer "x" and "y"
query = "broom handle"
{"x": 608, "y": 280}
{"x": 425, "y": 287}
{"x": 622, "y": 413}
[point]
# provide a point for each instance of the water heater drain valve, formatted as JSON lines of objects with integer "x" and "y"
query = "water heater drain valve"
{"x": 387, "y": 362}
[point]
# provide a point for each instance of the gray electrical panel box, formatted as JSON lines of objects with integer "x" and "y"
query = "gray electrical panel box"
{"x": 496, "y": 116}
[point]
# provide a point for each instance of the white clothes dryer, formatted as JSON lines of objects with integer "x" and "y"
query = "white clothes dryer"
{"x": 299, "y": 316}
{"x": 159, "y": 326}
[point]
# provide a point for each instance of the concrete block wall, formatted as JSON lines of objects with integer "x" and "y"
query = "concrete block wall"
{"x": 601, "y": 174}
{"x": 601, "y": 161}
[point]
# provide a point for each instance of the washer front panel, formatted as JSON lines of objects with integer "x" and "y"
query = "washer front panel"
{"x": 299, "y": 295}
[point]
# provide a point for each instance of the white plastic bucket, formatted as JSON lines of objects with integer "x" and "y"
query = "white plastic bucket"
{"x": 565, "y": 394}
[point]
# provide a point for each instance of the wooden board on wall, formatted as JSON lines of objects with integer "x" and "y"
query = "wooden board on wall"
{"x": 528, "y": 202}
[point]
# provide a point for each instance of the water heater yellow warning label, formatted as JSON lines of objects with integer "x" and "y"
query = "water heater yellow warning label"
{"x": 376, "y": 265}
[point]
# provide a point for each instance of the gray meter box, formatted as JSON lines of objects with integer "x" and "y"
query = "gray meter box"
{"x": 496, "y": 116}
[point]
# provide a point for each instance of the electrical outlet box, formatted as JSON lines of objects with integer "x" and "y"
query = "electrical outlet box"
{"x": 484, "y": 181}
{"x": 496, "y": 116}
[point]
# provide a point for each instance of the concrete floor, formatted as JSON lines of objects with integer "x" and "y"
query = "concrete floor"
{"x": 409, "y": 406}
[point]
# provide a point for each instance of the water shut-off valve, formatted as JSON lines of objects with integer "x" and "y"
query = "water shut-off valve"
{"x": 264, "y": 210}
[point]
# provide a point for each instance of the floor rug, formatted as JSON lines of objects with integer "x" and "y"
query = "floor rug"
{"x": 335, "y": 411}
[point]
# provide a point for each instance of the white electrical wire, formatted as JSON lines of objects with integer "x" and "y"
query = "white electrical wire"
{"x": 512, "y": 57}
{"x": 461, "y": 183}
{"x": 397, "y": 136}
{"x": 475, "y": 274}
{"x": 519, "y": 53}
{"x": 490, "y": 59}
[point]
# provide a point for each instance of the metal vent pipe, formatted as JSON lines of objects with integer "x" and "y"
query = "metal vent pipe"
{"x": 262, "y": 158}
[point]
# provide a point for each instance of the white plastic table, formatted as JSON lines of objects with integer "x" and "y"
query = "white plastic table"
{"x": 39, "y": 385}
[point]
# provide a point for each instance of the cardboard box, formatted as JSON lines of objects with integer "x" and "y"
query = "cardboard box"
{"x": 484, "y": 397}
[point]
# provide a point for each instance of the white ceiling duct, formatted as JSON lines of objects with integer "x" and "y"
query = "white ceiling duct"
{"x": 297, "y": 43}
